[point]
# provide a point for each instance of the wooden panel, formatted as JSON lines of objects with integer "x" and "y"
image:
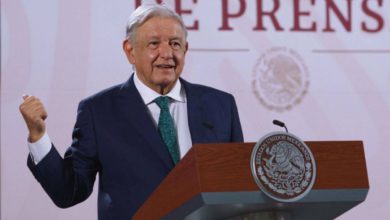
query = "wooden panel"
{"x": 340, "y": 165}
{"x": 226, "y": 167}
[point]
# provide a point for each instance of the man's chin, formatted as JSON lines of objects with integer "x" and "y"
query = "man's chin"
{"x": 167, "y": 78}
{"x": 166, "y": 85}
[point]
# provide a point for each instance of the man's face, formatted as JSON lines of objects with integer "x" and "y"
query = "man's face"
{"x": 157, "y": 53}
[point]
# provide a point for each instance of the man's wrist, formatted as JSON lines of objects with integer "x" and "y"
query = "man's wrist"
{"x": 34, "y": 137}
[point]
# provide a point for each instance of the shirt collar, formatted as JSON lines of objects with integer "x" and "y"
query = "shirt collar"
{"x": 149, "y": 95}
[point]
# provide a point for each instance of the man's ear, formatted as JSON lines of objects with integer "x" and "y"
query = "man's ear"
{"x": 186, "y": 47}
{"x": 128, "y": 48}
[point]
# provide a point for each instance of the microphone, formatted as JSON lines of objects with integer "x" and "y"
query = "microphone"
{"x": 280, "y": 124}
{"x": 211, "y": 128}
{"x": 208, "y": 125}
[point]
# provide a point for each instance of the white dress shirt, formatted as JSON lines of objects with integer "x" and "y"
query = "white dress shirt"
{"x": 177, "y": 108}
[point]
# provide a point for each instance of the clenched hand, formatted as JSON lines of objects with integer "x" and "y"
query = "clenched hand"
{"x": 34, "y": 115}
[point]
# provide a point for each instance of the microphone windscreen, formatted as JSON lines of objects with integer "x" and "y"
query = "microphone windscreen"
{"x": 278, "y": 123}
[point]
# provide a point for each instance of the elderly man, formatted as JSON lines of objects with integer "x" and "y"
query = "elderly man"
{"x": 134, "y": 133}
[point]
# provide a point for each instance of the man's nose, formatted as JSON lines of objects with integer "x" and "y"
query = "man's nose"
{"x": 166, "y": 51}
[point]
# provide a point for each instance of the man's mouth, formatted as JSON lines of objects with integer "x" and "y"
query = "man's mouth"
{"x": 165, "y": 66}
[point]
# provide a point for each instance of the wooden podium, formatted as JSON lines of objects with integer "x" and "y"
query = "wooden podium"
{"x": 214, "y": 181}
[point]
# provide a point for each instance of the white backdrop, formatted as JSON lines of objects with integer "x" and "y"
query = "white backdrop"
{"x": 329, "y": 83}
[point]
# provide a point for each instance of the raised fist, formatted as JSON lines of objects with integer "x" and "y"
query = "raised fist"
{"x": 34, "y": 115}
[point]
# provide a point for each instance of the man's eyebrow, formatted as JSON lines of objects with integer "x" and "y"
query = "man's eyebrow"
{"x": 176, "y": 38}
{"x": 149, "y": 38}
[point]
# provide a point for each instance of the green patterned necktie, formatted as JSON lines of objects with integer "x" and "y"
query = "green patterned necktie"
{"x": 166, "y": 128}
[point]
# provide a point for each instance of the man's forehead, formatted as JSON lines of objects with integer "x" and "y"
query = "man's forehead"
{"x": 157, "y": 28}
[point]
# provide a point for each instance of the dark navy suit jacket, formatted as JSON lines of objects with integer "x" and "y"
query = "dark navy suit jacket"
{"x": 115, "y": 136}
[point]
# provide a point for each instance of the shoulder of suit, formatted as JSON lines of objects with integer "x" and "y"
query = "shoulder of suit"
{"x": 199, "y": 89}
{"x": 193, "y": 88}
{"x": 105, "y": 93}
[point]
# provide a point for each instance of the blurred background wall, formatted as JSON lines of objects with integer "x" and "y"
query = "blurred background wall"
{"x": 322, "y": 67}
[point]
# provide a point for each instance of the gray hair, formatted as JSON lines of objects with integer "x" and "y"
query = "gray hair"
{"x": 146, "y": 12}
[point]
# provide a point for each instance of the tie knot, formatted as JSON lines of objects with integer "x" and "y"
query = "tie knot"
{"x": 162, "y": 102}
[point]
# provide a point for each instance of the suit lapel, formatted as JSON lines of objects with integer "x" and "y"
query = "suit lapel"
{"x": 137, "y": 114}
{"x": 200, "y": 127}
